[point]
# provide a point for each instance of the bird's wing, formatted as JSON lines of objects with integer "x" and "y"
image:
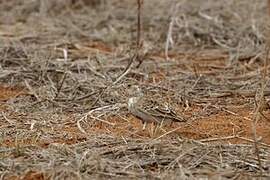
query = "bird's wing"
{"x": 159, "y": 111}
{"x": 144, "y": 115}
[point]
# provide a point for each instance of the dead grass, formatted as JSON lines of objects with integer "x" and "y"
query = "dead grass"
{"x": 64, "y": 116}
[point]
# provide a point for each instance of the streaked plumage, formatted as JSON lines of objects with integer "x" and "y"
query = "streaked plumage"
{"x": 149, "y": 110}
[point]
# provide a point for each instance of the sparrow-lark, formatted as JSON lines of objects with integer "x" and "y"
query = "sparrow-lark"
{"x": 149, "y": 110}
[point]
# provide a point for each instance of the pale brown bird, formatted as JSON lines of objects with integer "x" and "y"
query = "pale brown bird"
{"x": 149, "y": 110}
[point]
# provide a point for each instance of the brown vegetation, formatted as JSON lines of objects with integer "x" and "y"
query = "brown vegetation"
{"x": 64, "y": 80}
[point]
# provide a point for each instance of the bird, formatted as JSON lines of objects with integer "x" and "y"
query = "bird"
{"x": 149, "y": 110}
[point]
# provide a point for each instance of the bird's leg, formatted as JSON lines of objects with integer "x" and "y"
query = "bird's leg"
{"x": 144, "y": 125}
{"x": 154, "y": 127}
{"x": 160, "y": 126}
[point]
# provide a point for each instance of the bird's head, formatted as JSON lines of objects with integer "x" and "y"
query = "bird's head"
{"x": 134, "y": 91}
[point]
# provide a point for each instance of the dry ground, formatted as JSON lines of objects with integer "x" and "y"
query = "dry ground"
{"x": 61, "y": 117}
